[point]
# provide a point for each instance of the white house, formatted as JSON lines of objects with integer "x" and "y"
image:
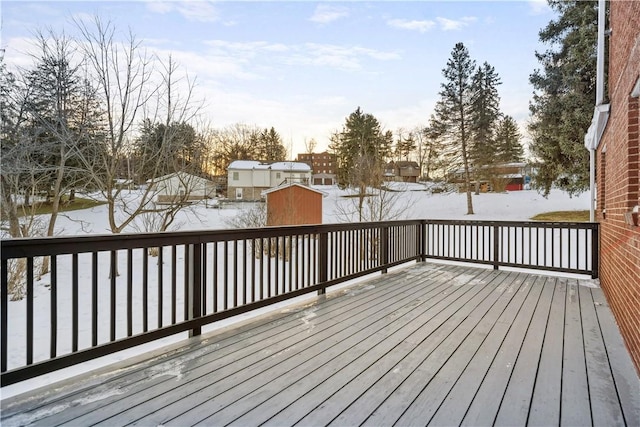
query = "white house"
{"x": 181, "y": 187}
{"x": 247, "y": 179}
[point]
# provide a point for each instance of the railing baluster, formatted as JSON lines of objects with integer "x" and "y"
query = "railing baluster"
{"x": 4, "y": 301}
{"x": 174, "y": 286}
{"x": 94, "y": 298}
{"x": 53, "y": 311}
{"x": 112, "y": 295}
{"x": 75, "y": 302}
{"x": 253, "y": 271}
{"x": 129, "y": 292}
{"x": 30, "y": 297}
{"x": 160, "y": 286}
{"x": 269, "y": 240}
{"x": 215, "y": 277}
{"x": 235, "y": 272}
{"x": 145, "y": 289}
{"x": 244, "y": 271}
{"x": 225, "y": 281}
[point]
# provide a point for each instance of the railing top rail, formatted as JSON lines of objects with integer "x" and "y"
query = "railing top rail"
{"x": 534, "y": 224}
{"x": 59, "y": 245}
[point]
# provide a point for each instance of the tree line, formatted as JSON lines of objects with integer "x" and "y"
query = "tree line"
{"x": 92, "y": 112}
{"x": 467, "y": 130}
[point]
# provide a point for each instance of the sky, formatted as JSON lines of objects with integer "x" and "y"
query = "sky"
{"x": 301, "y": 66}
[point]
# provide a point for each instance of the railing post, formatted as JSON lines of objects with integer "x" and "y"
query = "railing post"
{"x": 384, "y": 248}
{"x": 595, "y": 251}
{"x": 421, "y": 241}
{"x": 194, "y": 260}
{"x": 496, "y": 246}
{"x": 323, "y": 260}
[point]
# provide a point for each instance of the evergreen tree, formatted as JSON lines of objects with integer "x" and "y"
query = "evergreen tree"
{"x": 507, "y": 140}
{"x": 562, "y": 104}
{"x": 454, "y": 111}
{"x": 360, "y": 144}
{"x": 405, "y": 145}
{"x": 430, "y": 151}
{"x": 269, "y": 146}
{"x": 485, "y": 114}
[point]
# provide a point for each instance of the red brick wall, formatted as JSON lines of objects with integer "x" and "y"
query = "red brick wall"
{"x": 618, "y": 176}
{"x": 294, "y": 205}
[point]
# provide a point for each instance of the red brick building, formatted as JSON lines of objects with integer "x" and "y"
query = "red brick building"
{"x": 294, "y": 204}
{"x": 618, "y": 176}
{"x": 323, "y": 167}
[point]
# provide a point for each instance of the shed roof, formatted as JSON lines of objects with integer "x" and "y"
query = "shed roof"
{"x": 294, "y": 184}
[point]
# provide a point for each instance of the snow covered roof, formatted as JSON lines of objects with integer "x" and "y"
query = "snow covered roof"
{"x": 290, "y": 166}
{"x": 245, "y": 164}
{"x": 181, "y": 174}
{"x": 294, "y": 184}
{"x": 278, "y": 166}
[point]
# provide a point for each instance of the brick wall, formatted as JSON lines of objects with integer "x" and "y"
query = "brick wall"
{"x": 618, "y": 176}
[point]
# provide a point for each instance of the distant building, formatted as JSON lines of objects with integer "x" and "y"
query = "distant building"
{"x": 294, "y": 204}
{"x": 499, "y": 177}
{"x": 402, "y": 171}
{"x": 247, "y": 179}
{"x": 323, "y": 167}
{"x": 182, "y": 187}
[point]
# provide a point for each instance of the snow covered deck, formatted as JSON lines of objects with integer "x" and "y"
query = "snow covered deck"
{"x": 430, "y": 344}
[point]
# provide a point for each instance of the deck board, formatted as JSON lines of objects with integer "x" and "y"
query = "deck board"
{"x": 545, "y": 403}
{"x": 516, "y": 400}
{"x": 429, "y": 344}
{"x": 576, "y": 408}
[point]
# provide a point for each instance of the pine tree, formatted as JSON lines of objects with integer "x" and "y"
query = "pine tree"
{"x": 507, "y": 140}
{"x": 485, "y": 114}
{"x": 270, "y": 147}
{"x": 453, "y": 112}
{"x": 360, "y": 142}
{"x": 562, "y": 104}
{"x": 405, "y": 145}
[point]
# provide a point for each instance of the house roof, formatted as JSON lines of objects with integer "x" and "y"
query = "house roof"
{"x": 402, "y": 164}
{"x": 277, "y": 166}
{"x": 181, "y": 174}
{"x": 294, "y": 184}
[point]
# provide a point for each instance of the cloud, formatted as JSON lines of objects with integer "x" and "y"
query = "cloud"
{"x": 325, "y": 14}
{"x": 453, "y": 25}
{"x": 348, "y": 58}
{"x": 413, "y": 25}
{"x": 191, "y": 10}
{"x": 538, "y": 7}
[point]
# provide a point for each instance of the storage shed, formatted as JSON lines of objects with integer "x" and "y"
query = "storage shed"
{"x": 294, "y": 204}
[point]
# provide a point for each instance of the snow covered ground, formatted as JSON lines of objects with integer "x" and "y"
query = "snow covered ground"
{"x": 411, "y": 199}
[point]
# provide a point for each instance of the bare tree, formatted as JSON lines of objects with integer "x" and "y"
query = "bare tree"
{"x": 132, "y": 89}
{"x": 310, "y": 145}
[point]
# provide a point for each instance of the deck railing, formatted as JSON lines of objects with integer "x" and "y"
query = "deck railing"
{"x": 103, "y": 294}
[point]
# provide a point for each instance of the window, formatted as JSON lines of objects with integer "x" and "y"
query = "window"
{"x": 236, "y": 176}
{"x": 277, "y": 175}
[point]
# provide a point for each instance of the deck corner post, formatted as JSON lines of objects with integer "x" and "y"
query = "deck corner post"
{"x": 595, "y": 251}
{"x": 323, "y": 260}
{"x": 496, "y": 246}
{"x": 193, "y": 264}
{"x": 422, "y": 240}
{"x": 384, "y": 248}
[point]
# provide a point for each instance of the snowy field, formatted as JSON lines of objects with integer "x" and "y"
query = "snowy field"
{"x": 411, "y": 200}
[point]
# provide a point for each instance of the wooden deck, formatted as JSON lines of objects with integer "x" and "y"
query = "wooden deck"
{"x": 430, "y": 344}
